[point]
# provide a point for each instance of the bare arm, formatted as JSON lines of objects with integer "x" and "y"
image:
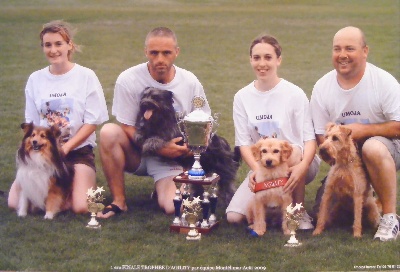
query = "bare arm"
{"x": 170, "y": 150}
{"x": 320, "y": 139}
{"x": 389, "y": 130}
{"x": 248, "y": 157}
{"x": 83, "y": 133}
{"x": 299, "y": 171}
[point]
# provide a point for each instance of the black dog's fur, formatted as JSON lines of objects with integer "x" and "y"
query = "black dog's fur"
{"x": 154, "y": 132}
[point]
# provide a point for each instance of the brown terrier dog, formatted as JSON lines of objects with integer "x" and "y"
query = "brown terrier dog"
{"x": 346, "y": 182}
{"x": 272, "y": 155}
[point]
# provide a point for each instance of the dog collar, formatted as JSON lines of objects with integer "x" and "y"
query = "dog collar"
{"x": 270, "y": 184}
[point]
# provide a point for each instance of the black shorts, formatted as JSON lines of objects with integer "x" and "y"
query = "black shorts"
{"x": 83, "y": 155}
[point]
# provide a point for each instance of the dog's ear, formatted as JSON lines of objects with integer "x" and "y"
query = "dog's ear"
{"x": 346, "y": 131}
{"x": 286, "y": 151}
{"x": 27, "y": 128}
{"x": 55, "y": 131}
{"x": 255, "y": 149}
{"x": 169, "y": 95}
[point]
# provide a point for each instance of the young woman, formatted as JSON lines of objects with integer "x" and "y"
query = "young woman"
{"x": 271, "y": 106}
{"x": 71, "y": 96}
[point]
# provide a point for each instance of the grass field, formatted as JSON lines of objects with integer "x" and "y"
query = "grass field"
{"x": 214, "y": 37}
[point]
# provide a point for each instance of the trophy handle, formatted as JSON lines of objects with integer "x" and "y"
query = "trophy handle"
{"x": 215, "y": 125}
{"x": 179, "y": 120}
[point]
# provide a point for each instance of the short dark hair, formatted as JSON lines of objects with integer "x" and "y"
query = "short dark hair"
{"x": 161, "y": 32}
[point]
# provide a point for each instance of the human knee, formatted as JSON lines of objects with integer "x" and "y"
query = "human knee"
{"x": 234, "y": 218}
{"x": 109, "y": 133}
{"x": 13, "y": 196}
{"x": 374, "y": 150}
{"x": 167, "y": 207}
{"x": 12, "y": 203}
{"x": 79, "y": 208}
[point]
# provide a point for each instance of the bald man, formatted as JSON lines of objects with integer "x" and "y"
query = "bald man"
{"x": 365, "y": 99}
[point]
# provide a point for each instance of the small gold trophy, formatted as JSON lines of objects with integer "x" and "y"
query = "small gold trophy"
{"x": 293, "y": 223}
{"x": 192, "y": 209}
{"x": 94, "y": 198}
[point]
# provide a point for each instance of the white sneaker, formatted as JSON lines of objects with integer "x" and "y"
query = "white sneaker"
{"x": 305, "y": 222}
{"x": 388, "y": 228}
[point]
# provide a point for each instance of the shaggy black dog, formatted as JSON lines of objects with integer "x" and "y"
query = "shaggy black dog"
{"x": 157, "y": 124}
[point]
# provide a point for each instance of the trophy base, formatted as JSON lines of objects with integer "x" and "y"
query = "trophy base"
{"x": 186, "y": 229}
{"x": 206, "y": 180}
{"x": 194, "y": 238}
{"x": 293, "y": 245}
{"x": 292, "y": 242}
{"x": 93, "y": 226}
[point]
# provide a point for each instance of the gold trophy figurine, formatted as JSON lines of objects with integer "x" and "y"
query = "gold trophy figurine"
{"x": 94, "y": 198}
{"x": 192, "y": 210}
{"x": 293, "y": 223}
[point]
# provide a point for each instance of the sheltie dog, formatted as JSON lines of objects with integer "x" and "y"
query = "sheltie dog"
{"x": 43, "y": 174}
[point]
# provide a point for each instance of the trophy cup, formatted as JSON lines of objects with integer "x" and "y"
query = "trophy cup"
{"x": 94, "y": 198}
{"x": 293, "y": 223}
{"x": 197, "y": 129}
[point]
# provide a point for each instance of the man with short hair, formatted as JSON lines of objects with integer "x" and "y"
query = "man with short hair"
{"x": 118, "y": 151}
{"x": 365, "y": 99}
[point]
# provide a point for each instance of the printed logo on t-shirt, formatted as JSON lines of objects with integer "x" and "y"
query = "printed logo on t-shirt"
{"x": 268, "y": 129}
{"x": 352, "y": 121}
{"x": 57, "y": 112}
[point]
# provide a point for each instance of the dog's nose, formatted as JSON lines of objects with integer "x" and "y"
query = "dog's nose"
{"x": 268, "y": 162}
{"x": 34, "y": 142}
{"x": 323, "y": 151}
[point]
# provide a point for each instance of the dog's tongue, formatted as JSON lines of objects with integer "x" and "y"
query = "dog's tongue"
{"x": 148, "y": 114}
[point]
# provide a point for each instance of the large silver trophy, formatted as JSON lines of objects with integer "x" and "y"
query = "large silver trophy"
{"x": 197, "y": 128}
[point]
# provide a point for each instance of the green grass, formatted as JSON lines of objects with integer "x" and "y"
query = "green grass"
{"x": 214, "y": 37}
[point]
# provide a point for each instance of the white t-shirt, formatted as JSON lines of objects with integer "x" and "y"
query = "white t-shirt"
{"x": 132, "y": 82}
{"x": 375, "y": 99}
{"x": 282, "y": 111}
{"x": 69, "y": 100}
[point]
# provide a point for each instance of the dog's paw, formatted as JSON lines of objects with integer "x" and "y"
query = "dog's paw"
{"x": 357, "y": 234}
{"x": 257, "y": 232}
{"x": 317, "y": 232}
{"x": 49, "y": 215}
{"x": 22, "y": 213}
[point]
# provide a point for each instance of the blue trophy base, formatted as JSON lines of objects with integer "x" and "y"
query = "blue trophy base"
{"x": 196, "y": 173}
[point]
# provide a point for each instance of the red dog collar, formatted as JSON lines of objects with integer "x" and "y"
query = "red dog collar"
{"x": 270, "y": 184}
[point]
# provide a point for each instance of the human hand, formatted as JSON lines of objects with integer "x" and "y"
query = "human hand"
{"x": 65, "y": 148}
{"x": 357, "y": 131}
{"x": 173, "y": 150}
{"x": 296, "y": 174}
{"x": 252, "y": 181}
